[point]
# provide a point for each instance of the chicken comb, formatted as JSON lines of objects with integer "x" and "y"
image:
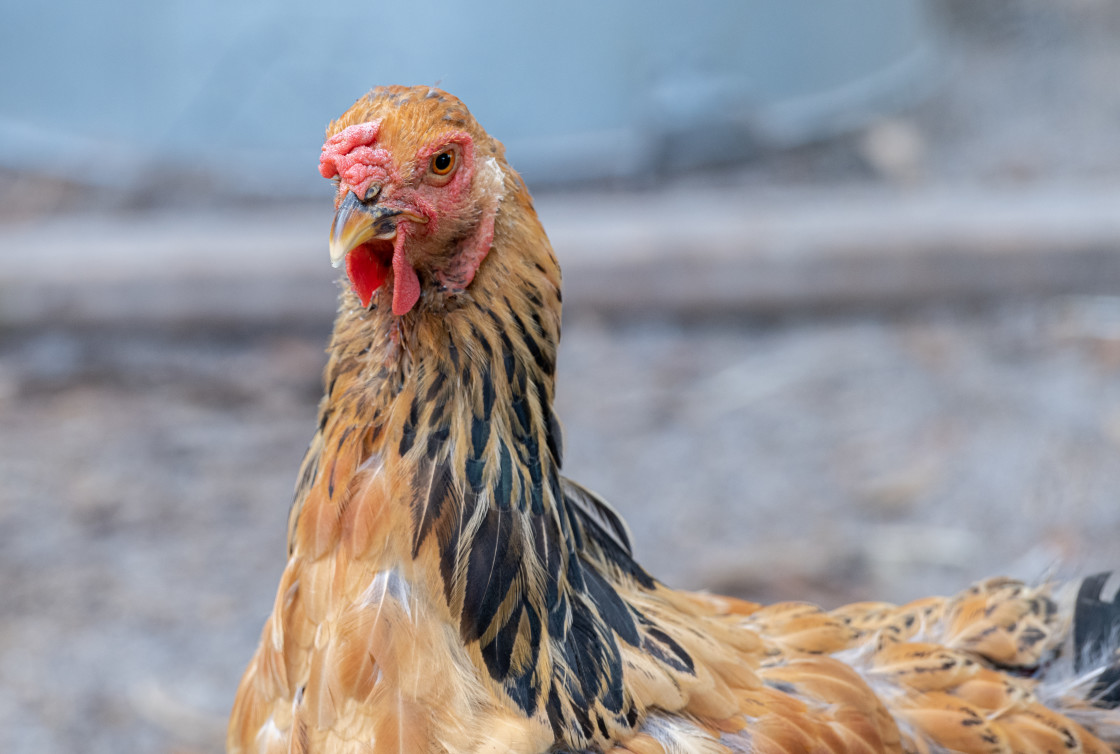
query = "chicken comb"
{"x": 350, "y": 156}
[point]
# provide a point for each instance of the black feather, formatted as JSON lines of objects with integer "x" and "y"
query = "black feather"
{"x": 449, "y": 554}
{"x": 480, "y": 433}
{"x": 1096, "y": 639}
{"x": 498, "y": 654}
{"x": 437, "y": 438}
{"x": 555, "y": 713}
{"x": 435, "y": 489}
{"x": 342, "y": 438}
{"x": 546, "y": 543}
{"x": 555, "y": 437}
{"x": 534, "y": 348}
{"x": 475, "y": 468}
{"x": 492, "y": 566}
{"x": 559, "y": 617}
{"x": 611, "y": 607}
{"x": 408, "y": 432}
{"x": 483, "y": 342}
{"x": 436, "y": 387}
{"x": 521, "y": 411}
{"x": 525, "y": 686}
{"x": 662, "y": 646}
{"x": 487, "y": 394}
{"x": 507, "y": 357}
{"x": 504, "y": 491}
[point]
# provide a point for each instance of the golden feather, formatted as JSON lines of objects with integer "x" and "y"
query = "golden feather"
{"x": 447, "y": 590}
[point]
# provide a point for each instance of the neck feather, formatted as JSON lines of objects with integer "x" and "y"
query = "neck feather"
{"x": 454, "y": 401}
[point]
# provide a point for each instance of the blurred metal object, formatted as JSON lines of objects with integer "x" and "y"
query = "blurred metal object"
{"x": 579, "y": 91}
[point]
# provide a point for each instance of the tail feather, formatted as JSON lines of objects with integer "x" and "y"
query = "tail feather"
{"x": 1096, "y": 637}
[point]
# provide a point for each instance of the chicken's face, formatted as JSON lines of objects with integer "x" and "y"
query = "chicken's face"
{"x": 419, "y": 185}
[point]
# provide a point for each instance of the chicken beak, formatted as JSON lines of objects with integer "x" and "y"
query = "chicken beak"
{"x": 364, "y": 235}
{"x": 357, "y": 222}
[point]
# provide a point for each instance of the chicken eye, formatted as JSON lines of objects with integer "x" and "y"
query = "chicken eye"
{"x": 444, "y": 162}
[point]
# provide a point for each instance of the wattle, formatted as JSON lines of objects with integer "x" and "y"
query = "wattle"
{"x": 406, "y": 284}
{"x": 368, "y": 265}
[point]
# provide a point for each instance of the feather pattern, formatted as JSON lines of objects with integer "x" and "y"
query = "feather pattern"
{"x": 448, "y": 590}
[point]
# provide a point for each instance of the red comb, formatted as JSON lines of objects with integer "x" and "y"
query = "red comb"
{"x": 350, "y": 156}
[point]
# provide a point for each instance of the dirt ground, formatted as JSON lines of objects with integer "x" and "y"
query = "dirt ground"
{"x": 147, "y": 476}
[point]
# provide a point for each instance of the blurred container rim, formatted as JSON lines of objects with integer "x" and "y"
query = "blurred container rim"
{"x": 654, "y": 96}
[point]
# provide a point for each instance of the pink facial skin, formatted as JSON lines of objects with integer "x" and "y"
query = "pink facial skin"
{"x": 351, "y": 155}
{"x": 443, "y": 201}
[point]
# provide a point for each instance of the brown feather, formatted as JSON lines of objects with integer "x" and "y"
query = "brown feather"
{"x": 447, "y": 590}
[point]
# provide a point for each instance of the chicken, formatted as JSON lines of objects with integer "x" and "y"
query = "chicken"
{"x": 447, "y": 590}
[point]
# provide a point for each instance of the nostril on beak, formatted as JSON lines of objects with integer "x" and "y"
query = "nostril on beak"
{"x": 372, "y": 192}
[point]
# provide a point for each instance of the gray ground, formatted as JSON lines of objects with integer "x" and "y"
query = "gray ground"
{"x": 146, "y": 465}
{"x": 147, "y": 477}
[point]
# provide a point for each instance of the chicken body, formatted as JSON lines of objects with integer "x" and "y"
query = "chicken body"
{"x": 447, "y": 590}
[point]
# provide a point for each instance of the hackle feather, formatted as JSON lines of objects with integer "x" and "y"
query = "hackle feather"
{"x": 447, "y": 590}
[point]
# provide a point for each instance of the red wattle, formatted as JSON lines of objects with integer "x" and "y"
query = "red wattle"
{"x": 366, "y": 273}
{"x": 406, "y": 285}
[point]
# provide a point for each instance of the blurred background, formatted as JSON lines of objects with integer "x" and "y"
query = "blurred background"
{"x": 842, "y": 306}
